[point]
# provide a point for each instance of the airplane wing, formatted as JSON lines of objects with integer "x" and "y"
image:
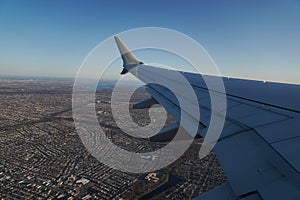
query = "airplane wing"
{"x": 259, "y": 144}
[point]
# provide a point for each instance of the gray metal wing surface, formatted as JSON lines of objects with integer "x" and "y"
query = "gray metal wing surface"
{"x": 260, "y": 141}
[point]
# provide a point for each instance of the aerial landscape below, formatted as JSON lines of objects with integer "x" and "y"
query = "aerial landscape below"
{"x": 42, "y": 155}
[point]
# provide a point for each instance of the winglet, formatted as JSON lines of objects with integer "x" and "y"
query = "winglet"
{"x": 129, "y": 60}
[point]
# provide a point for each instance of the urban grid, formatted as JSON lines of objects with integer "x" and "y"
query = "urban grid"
{"x": 42, "y": 156}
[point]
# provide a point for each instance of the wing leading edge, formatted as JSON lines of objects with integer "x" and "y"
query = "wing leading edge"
{"x": 259, "y": 144}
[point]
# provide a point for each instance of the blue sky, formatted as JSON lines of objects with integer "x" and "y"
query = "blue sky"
{"x": 252, "y": 39}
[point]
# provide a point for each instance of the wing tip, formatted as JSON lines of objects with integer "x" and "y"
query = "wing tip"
{"x": 127, "y": 56}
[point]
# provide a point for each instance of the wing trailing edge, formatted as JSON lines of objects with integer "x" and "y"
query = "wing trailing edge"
{"x": 145, "y": 103}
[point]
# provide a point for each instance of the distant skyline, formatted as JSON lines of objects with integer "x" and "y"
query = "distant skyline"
{"x": 247, "y": 39}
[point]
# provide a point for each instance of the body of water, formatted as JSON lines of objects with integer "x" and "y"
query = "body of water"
{"x": 173, "y": 180}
